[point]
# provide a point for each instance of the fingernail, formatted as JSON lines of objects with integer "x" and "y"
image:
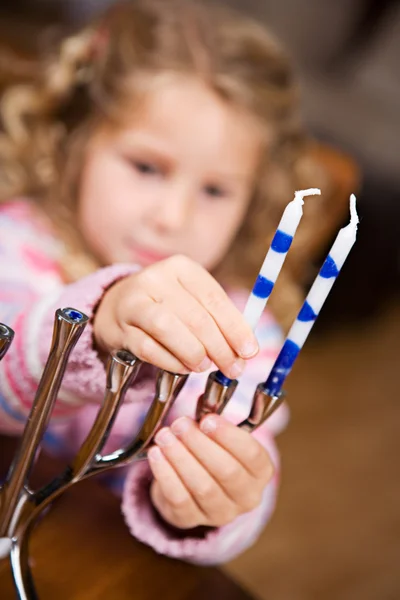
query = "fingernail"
{"x": 249, "y": 349}
{"x": 180, "y": 425}
{"x": 204, "y": 365}
{"x": 165, "y": 437}
{"x": 154, "y": 453}
{"x": 209, "y": 424}
{"x": 237, "y": 368}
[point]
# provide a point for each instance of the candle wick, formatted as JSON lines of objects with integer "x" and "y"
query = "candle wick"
{"x": 299, "y": 195}
{"x": 354, "y": 220}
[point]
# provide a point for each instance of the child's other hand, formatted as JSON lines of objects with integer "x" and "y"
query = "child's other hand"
{"x": 175, "y": 316}
{"x": 204, "y": 475}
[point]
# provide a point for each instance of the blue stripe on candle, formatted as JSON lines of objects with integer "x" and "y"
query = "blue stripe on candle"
{"x": 222, "y": 379}
{"x": 329, "y": 268}
{"x": 287, "y": 355}
{"x": 306, "y": 313}
{"x": 281, "y": 242}
{"x": 262, "y": 287}
{"x": 282, "y": 367}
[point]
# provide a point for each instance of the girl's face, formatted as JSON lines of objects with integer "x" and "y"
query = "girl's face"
{"x": 176, "y": 180}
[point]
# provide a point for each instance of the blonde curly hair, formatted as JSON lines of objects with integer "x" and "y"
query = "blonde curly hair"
{"x": 96, "y": 73}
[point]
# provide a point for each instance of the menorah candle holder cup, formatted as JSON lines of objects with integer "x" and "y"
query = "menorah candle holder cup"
{"x": 20, "y": 506}
{"x": 219, "y": 390}
{"x": 263, "y": 406}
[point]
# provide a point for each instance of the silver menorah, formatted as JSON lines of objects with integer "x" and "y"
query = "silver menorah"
{"x": 20, "y": 506}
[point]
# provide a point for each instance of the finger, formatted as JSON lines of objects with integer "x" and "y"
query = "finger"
{"x": 169, "y": 495}
{"x": 238, "y": 333}
{"x": 149, "y": 350}
{"x": 240, "y": 444}
{"x": 239, "y": 485}
{"x": 205, "y": 491}
{"x": 165, "y": 327}
{"x": 206, "y": 330}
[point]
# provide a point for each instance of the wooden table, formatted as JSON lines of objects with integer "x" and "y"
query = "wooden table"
{"x": 83, "y": 551}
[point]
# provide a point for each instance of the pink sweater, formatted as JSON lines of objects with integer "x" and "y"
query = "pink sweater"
{"x": 31, "y": 289}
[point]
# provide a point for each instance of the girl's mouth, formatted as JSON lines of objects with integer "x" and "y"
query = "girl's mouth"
{"x": 146, "y": 255}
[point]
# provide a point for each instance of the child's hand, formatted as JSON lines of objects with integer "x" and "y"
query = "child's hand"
{"x": 206, "y": 476}
{"x": 175, "y": 316}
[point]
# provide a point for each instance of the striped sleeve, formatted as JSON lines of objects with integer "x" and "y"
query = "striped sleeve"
{"x": 31, "y": 290}
{"x": 28, "y": 275}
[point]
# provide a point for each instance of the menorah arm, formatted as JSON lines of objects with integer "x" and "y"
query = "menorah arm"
{"x": 122, "y": 370}
{"x": 20, "y": 568}
{"x": 68, "y": 327}
{"x": 168, "y": 386}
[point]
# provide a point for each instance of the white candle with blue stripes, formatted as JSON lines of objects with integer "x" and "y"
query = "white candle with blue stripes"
{"x": 313, "y": 303}
{"x": 273, "y": 262}
{"x": 275, "y": 257}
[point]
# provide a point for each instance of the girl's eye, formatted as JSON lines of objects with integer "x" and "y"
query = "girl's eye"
{"x": 215, "y": 191}
{"x": 145, "y": 168}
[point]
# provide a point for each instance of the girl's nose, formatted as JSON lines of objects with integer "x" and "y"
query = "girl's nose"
{"x": 171, "y": 212}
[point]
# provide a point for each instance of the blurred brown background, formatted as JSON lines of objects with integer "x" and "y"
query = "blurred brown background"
{"x": 336, "y": 532}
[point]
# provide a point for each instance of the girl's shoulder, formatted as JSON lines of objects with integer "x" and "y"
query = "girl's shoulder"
{"x": 23, "y": 213}
{"x": 27, "y": 237}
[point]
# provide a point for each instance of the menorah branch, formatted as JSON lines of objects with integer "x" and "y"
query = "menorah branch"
{"x": 68, "y": 327}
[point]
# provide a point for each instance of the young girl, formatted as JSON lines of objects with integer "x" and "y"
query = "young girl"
{"x": 142, "y": 174}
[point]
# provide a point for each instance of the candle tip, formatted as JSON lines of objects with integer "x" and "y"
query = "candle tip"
{"x": 353, "y": 211}
{"x": 300, "y": 194}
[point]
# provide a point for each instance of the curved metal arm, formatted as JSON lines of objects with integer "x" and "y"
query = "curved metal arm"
{"x": 20, "y": 568}
{"x": 68, "y": 327}
{"x": 122, "y": 369}
{"x": 168, "y": 386}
